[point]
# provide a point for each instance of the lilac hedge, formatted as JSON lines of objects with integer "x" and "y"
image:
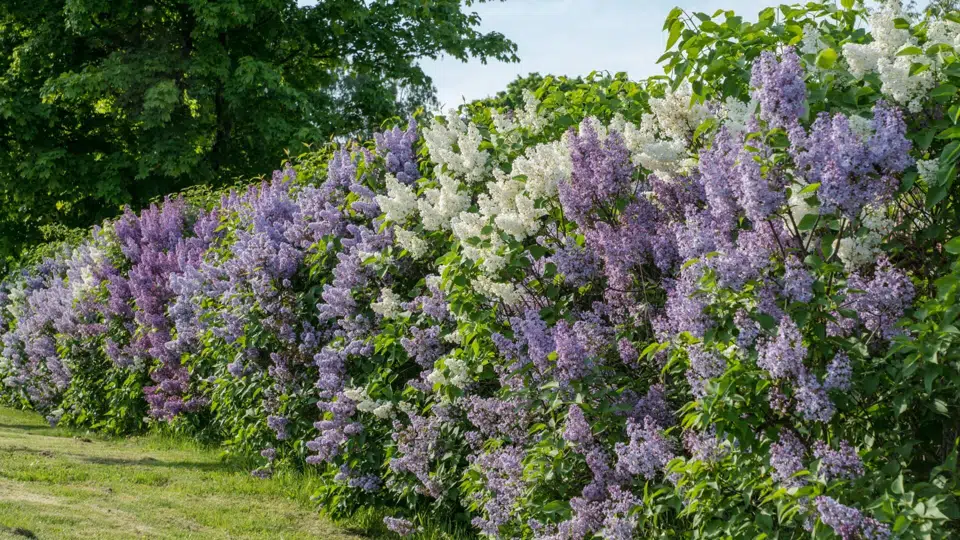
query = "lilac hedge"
{"x": 716, "y": 304}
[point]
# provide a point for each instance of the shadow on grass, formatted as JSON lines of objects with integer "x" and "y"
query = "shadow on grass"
{"x": 18, "y": 532}
{"x": 151, "y": 462}
{"x": 27, "y": 427}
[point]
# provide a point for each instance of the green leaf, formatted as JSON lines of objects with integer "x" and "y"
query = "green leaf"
{"x": 675, "y": 29}
{"x": 807, "y": 222}
{"x": 951, "y": 152}
{"x": 940, "y": 406}
{"x": 953, "y": 246}
{"x": 944, "y": 90}
{"x": 916, "y": 68}
{"x": 910, "y": 50}
{"x": 827, "y": 58}
{"x": 950, "y": 133}
{"x": 938, "y": 48}
{"x": 897, "y": 486}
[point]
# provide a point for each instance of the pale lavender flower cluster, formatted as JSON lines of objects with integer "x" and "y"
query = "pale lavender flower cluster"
{"x": 849, "y": 522}
{"x": 417, "y": 446}
{"x": 779, "y": 87}
{"x": 703, "y": 446}
{"x": 704, "y": 365}
{"x": 786, "y": 459}
{"x": 503, "y": 471}
{"x": 884, "y": 300}
{"x": 403, "y": 527}
{"x": 783, "y": 356}
{"x": 797, "y": 282}
{"x": 655, "y": 405}
{"x": 496, "y": 417}
{"x": 685, "y": 307}
{"x": 578, "y": 265}
{"x": 852, "y": 171}
{"x": 577, "y": 431}
{"x": 647, "y": 452}
{"x": 396, "y": 146}
{"x": 839, "y": 373}
{"x": 279, "y": 425}
{"x": 601, "y": 171}
{"x": 843, "y": 463}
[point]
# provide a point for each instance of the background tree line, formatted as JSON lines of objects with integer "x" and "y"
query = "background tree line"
{"x": 105, "y": 102}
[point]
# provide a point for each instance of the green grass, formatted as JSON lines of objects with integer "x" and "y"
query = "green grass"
{"x": 59, "y": 484}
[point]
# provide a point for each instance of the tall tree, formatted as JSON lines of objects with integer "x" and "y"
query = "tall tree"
{"x": 111, "y": 102}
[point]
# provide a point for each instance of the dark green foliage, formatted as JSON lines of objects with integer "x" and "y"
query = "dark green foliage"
{"x": 105, "y": 103}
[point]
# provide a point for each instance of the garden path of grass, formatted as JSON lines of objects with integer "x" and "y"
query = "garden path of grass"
{"x": 55, "y": 484}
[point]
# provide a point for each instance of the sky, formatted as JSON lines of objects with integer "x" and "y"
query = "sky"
{"x": 570, "y": 37}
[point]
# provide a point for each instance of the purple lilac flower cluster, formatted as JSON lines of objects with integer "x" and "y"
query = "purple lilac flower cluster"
{"x": 849, "y": 522}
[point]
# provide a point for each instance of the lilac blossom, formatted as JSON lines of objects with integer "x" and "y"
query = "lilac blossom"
{"x": 601, "y": 171}
{"x": 783, "y": 355}
{"x": 417, "y": 445}
{"x": 503, "y": 471}
{"x": 786, "y": 459}
{"x": 839, "y": 373}
{"x": 279, "y": 425}
{"x": 654, "y": 404}
{"x": 577, "y": 431}
{"x": 843, "y": 463}
{"x": 797, "y": 282}
{"x": 852, "y": 172}
{"x": 396, "y": 146}
{"x": 704, "y": 365}
{"x": 884, "y": 299}
{"x": 703, "y": 446}
{"x": 849, "y": 522}
{"x": 779, "y": 87}
{"x": 813, "y": 403}
{"x": 647, "y": 452}
{"x": 403, "y": 527}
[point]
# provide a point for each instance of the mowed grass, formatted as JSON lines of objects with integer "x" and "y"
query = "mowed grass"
{"x": 60, "y": 485}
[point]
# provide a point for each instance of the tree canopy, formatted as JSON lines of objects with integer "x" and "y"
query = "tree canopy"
{"x": 105, "y": 102}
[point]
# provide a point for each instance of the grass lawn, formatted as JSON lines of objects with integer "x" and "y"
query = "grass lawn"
{"x": 58, "y": 485}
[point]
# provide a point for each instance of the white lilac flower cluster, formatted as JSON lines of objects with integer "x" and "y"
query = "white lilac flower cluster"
{"x": 399, "y": 202}
{"x": 389, "y": 305}
{"x": 469, "y": 161}
{"x": 734, "y": 115}
{"x": 511, "y": 203}
{"x": 927, "y": 170}
{"x": 661, "y": 143}
{"x": 492, "y": 289}
{"x": 412, "y": 242}
{"x": 863, "y": 248}
{"x": 507, "y": 125}
{"x": 380, "y": 409}
{"x": 884, "y": 55}
{"x": 812, "y": 42}
{"x": 450, "y": 371}
{"x": 439, "y": 206}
